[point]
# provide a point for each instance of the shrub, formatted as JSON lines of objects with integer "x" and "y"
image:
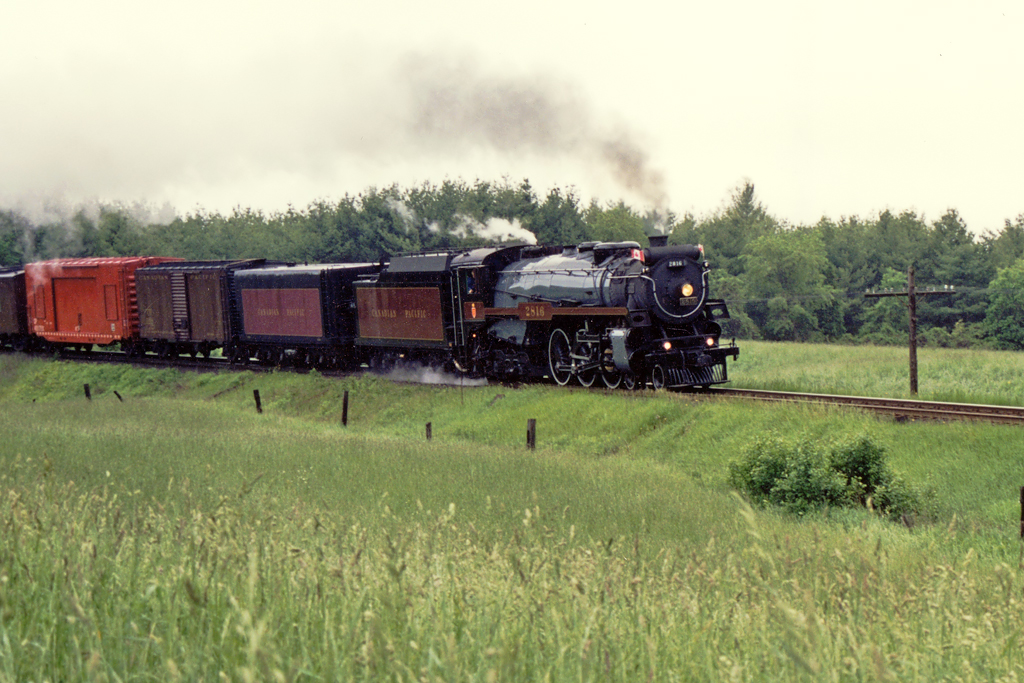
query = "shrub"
{"x": 808, "y": 481}
{"x": 810, "y": 475}
{"x": 936, "y": 336}
{"x": 862, "y": 462}
{"x": 764, "y": 465}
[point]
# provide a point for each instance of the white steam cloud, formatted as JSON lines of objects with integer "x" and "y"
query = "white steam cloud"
{"x": 421, "y": 374}
{"x": 497, "y": 229}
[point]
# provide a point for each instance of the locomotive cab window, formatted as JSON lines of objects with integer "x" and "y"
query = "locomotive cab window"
{"x": 474, "y": 282}
{"x": 471, "y": 281}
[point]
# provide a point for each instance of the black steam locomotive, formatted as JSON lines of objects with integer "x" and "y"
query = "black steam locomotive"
{"x": 612, "y": 312}
{"x": 597, "y": 311}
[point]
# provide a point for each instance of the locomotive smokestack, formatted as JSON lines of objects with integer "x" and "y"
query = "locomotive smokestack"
{"x": 658, "y": 240}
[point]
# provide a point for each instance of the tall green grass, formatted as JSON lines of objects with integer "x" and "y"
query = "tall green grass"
{"x": 180, "y": 536}
{"x": 958, "y": 375}
{"x": 98, "y": 585}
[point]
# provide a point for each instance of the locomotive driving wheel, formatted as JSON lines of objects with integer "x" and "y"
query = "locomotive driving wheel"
{"x": 559, "y": 357}
{"x": 609, "y": 373}
{"x": 586, "y": 354}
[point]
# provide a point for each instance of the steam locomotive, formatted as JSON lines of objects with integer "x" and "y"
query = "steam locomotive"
{"x": 598, "y": 311}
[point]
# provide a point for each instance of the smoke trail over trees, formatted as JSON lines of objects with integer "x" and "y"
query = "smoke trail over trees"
{"x": 458, "y": 105}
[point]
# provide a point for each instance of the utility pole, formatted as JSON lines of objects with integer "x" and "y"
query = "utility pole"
{"x": 911, "y": 293}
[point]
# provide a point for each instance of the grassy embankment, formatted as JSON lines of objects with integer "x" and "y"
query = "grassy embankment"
{"x": 179, "y": 534}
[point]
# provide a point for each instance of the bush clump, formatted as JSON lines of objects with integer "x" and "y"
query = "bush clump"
{"x": 808, "y": 475}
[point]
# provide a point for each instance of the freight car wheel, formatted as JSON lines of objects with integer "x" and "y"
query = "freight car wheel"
{"x": 559, "y": 361}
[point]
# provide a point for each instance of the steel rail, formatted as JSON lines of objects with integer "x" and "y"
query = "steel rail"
{"x": 899, "y": 408}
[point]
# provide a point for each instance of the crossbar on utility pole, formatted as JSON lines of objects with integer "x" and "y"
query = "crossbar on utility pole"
{"x": 911, "y": 293}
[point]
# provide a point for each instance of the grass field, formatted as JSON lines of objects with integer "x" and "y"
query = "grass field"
{"x": 178, "y": 535}
{"x": 958, "y": 375}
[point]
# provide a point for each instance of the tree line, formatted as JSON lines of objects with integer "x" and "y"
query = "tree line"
{"x": 782, "y": 282}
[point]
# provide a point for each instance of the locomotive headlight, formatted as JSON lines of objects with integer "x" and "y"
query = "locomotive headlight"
{"x": 687, "y": 289}
{"x": 667, "y": 345}
{"x": 710, "y": 341}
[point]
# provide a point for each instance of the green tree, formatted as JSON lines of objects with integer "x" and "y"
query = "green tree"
{"x": 954, "y": 258}
{"x": 686, "y": 231}
{"x": 381, "y": 217}
{"x": 14, "y": 228}
{"x": 1007, "y": 246}
{"x": 513, "y": 202}
{"x": 1004, "y": 320}
{"x": 118, "y": 233}
{"x": 558, "y": 220}
{"x": 785, "y": 281}
{"x": 726, "y": 236}
{"x": 887, "y": 319}
{"x": 900, "y": 241}
{"x": 616, "y": 223}
{"x": 853, "y": 265}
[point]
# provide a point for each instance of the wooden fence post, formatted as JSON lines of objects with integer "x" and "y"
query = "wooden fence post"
{"x": 1022, "y": 511}
{"x": 344, "y": 410}
{"x": 256, "y": 396}
{"x": 428, "y": 431}
{"x": 88, "y": 395}
{"x": 531, "y": 434}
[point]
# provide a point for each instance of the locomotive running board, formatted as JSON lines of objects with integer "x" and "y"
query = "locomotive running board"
{"x": 546, "y": 311}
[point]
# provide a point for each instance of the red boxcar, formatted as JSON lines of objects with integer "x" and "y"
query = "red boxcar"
{"x": 85, "y": 301}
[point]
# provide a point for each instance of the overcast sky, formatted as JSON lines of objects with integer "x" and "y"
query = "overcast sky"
{"x": 831, "y": 109}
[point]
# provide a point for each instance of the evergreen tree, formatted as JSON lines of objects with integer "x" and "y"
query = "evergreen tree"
{"x": 726, "y": 236}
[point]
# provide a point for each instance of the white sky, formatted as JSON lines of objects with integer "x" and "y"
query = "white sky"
{"x": 829, "y": 108}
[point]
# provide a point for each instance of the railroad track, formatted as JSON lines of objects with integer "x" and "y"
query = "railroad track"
{"x": 900, "y": 409}
{"x": 149, "y": 361}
